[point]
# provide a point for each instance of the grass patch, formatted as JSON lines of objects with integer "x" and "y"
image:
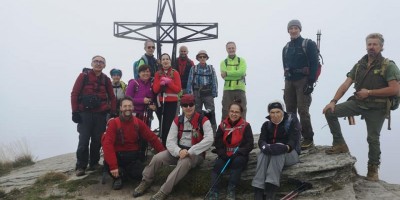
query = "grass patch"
{"x": 51, "y": 178}
{"x": 15, "y": 155}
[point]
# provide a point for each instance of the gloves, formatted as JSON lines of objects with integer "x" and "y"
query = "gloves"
{"x": 308, "y": 88}
{"x": 166, "y": 80}
{"x": 265, "y": 148}
{"x": 274, "y": 149}
{"x": 278, "y": 148}
{"x": 76, "y": 117}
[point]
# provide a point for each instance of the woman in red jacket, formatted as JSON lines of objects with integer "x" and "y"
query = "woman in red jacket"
{"x": 233, "y": 142}
{"x": 167, "y": 84}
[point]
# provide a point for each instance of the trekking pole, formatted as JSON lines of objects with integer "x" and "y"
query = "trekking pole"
{"x": 220, "y": 173}
{"x": 319, "y": 44}
{"x": 162, "y": 116}
{"x": 303, "y": 187}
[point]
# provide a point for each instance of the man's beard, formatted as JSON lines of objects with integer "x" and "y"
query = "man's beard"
{"x": 126, "y": 115}
{"x": 372, "y": 53}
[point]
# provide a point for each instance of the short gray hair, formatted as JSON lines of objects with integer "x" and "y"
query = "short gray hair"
{"x": 376, "y": 36}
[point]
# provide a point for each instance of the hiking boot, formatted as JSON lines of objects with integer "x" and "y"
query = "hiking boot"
{"x": 270, "y": 191}
{"x": 258, "y": 194}
{"x": 80, "y": 172}
{"x": 231, "y": 195}
{"x": 305, "y": 144}
{"x": 159, "y": 196}
{"x": 117, "y": 184}
{"x": 336, "y": 149}
{"x": 95, "y": 167}
{"x": 141, "y": 188}
{"x": 213, "y": 196}
{"x": 372, "y": 174}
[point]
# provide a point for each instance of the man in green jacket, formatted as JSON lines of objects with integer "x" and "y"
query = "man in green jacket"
{"x": 233, "y": 71}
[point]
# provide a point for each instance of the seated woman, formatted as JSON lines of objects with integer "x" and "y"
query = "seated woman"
{"x": 279, "y": 144}
{"x": 141, "y": 92}
{"x": 234, "y": 141}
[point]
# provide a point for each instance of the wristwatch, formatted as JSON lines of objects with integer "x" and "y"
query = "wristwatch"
{"x": 334, "y": 101}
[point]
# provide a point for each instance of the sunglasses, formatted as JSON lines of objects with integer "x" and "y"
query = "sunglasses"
{"x": 151, "y": 47}
{"x": 98, "y": 62}
{"x": 185, "y": 105}
{"x": 202, "y": 56}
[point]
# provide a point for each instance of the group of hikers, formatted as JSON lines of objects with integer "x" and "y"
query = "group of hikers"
{"x": 117, "y": 116}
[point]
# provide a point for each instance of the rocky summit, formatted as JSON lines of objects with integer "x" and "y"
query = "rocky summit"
{"x": 331, "y": 177}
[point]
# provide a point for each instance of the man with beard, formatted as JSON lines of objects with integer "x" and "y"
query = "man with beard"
{"x": 121, "y": 144}
{"x": 375, "y": 80}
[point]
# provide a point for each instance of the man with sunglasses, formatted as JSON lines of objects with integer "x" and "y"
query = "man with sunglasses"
{"x": 92, "y": 97}
{"x": 233, "y": 71}
{"x": 186, "y": 144}
{"x": 202, "y": 83}
{"x": 148, "y": 59}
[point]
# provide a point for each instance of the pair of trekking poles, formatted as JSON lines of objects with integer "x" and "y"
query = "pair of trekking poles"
{"x": 293, "y": 194}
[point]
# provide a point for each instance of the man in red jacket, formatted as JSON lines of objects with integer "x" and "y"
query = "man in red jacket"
{"x": 121, "y": 144}
{"x": 92, "y": 98}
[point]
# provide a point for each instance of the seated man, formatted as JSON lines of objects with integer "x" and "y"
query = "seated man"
{"x": 189, "y": 137}
{"x": 121, "y": 144}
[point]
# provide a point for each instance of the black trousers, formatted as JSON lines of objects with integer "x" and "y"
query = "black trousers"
{"x": 236, "y": 166}
{"x": 166, "y": 115}
{"x": 129, "y": 165}
{"x": 90, "y": 130}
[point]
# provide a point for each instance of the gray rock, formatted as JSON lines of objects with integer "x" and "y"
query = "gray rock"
{"x": 332, "y": 177}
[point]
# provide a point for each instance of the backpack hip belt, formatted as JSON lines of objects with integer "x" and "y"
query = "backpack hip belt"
{"x": 165, "y": 95}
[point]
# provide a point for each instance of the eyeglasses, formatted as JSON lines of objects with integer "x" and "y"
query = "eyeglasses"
{"x": 98, "y": 62}
{"x": 185, "y": 105}
{"x": 202, "y": 57}
{"x": 151, "y": 47}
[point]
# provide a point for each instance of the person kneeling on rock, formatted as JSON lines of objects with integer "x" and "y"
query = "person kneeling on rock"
{"x": 279, "y": 145}
{"x": 186, "y": 144}
{"x": 121, "y": 144}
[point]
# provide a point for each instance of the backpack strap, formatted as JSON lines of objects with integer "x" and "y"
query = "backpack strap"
{"x": 226, "y": 64}
{"x": 288, "y": 122}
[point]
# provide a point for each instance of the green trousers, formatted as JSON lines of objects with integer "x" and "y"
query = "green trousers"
{"x": 374, "y": 119}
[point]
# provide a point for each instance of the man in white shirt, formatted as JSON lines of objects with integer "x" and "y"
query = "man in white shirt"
{"x": 189, "y": 137}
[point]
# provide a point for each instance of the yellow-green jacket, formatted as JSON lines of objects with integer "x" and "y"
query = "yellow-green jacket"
{"x": 235, "y": 73}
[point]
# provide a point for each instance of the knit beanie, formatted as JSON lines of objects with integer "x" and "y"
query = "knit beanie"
{"x": 294, "y": 22}
{"x": 276, "y": 104}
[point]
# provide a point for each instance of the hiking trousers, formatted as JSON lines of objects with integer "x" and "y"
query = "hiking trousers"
{"x": 236, "y": 166}
{"x": 297, "y": 102}
{"x": 374, "y": 119}
{"x": 129, "y": 165}
{"x": 208, "y": 102}
{"x": 227, "y": 99}
{"x": 269, "y": 168}
{"x": 181, "y": 169}
{"x": 166, "y": 118}
{"x": 90, "y": 130}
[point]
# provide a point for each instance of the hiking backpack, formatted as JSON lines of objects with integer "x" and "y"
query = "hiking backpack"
{"x": 394, "y": 100}
{"x": 120, "y": 138}
{"x": 304, "y": 47}
{"x": 136, "y": 66}
{"x": 237, "y": 81}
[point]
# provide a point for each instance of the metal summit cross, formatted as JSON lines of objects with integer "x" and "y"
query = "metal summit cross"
{"x": 166, "y": 32}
